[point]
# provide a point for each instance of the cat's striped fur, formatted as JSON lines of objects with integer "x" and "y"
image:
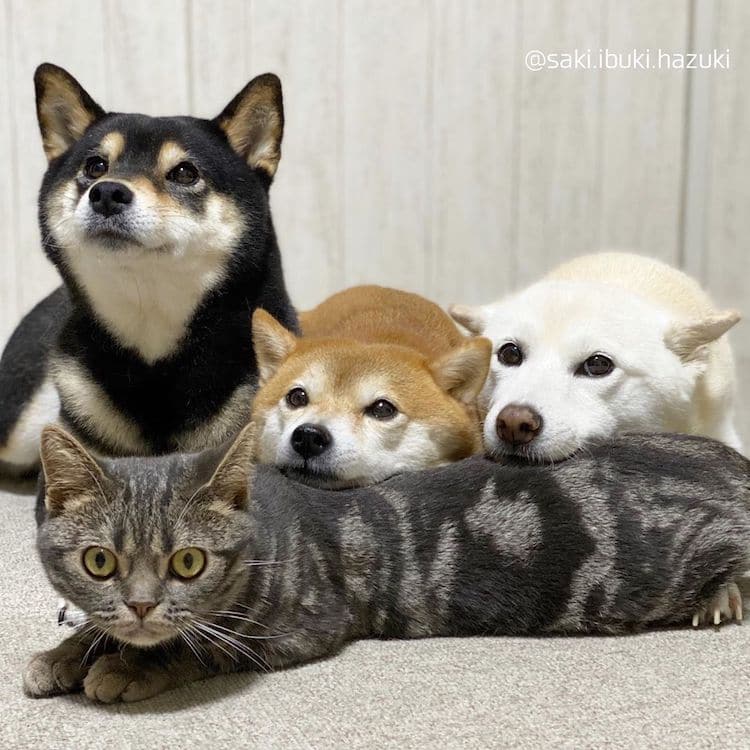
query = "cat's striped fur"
{"x": 639, "y": 532}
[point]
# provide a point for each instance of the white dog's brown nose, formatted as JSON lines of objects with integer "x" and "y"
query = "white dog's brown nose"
{"x": 518, "y": 424}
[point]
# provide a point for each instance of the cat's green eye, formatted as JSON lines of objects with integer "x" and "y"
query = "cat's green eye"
{"x": 187, "y": 563}
{"x": 100, "y": 562}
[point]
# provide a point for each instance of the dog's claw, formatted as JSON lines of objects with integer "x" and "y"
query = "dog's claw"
{"x": 724, "y": 607}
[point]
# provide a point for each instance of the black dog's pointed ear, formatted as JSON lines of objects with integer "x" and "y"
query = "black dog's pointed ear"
{"x": 254, "y": 123}
{"x": 63, "y": 108}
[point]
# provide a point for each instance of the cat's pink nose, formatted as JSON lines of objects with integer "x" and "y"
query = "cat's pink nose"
{"x": 141, "y": 608}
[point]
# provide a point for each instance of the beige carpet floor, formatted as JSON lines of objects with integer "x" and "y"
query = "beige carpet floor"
{"x": 671, "y": 689}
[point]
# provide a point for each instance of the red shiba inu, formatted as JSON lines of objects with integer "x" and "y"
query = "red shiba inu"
{"x": 381, "y": 382}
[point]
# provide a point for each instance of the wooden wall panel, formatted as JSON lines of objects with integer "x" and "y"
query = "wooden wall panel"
{"x": 560, "y": 124}
{"x": 472, "y": 167}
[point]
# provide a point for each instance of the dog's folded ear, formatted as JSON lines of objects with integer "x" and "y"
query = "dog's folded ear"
{"x": 686, "y": 339}
{"x": 63, "y": 108}
{"x": 462, "y": 371}
{"x": 253, "y": 122}
{"x": 272, "y": 343}
{"x": 473, "y": 319}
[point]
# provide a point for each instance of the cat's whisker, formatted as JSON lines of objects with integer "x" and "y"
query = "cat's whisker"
{"x": 241, "y": 648}
{"x": 207, "y": 635}
{"x": 93, "y": 645}
{"x": 239, "y": 616}
{"x": 260, "y": 563}
{"x": 192, "y": 645}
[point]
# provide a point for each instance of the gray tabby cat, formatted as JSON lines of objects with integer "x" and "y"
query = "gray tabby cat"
{"x": 184, "y": 573}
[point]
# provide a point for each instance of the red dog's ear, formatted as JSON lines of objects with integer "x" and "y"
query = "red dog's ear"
{"x": 63, "y": 108}
{"x": 254, "y": 123}
{"x": 462, "y": 371}
{"x": 272, "y": 343}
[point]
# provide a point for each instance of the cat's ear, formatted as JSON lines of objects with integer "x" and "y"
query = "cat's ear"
{"x": 462, "y": 371}
{"x": 253, "y": 123}
{"x": 272, "y": 343}
{"x": 687, "y": 340}
{"x": 230, "y": 482}
{"x": 63, "y": 108}
{"x": 473, "y": 319}
{"x": 71, "y": 475}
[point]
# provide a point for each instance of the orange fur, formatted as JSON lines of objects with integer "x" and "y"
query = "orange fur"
{"x": 368, "y": 343}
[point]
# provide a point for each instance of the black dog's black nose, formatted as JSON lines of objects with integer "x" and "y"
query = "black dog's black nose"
{"x": 109, "y": 198}
{"x": 311, "y": 440}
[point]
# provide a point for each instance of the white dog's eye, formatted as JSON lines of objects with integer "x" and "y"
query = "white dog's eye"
{"x": 596, "y": 366}
{"x": 510, "y": 355}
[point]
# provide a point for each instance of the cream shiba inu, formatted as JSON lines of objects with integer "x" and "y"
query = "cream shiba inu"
{"x": 605, "y": 344}
{"x": 381, "y": 382}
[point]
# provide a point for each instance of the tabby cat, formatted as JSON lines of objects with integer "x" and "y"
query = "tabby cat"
{"x": 183, "y": 572}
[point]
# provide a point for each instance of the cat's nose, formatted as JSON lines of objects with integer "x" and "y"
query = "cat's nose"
{"x": 518, "y": 424}
{"x": 311, "y": 440}
{"x": 141, "y": 608}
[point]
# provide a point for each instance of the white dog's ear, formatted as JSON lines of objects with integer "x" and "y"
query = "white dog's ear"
{"x": 687, "y": 339}
{"x": 473, "y": 319}
{"x": 463, "y": 370}
{"x": 272, "y": 343}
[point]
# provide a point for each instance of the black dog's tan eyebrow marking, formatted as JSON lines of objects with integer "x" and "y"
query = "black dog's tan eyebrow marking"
{"x": 112, "y": 145}
{"x": 170, "y": 155}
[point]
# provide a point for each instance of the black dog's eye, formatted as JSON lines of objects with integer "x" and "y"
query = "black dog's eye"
{"x": 510, "y": 355}
{"x": 297, "y": 398}
{"x": 183, "y": 174}
{"x": 596, "y": 366}
{"x": 95, "y": 167}
{"x": 381, "y": 409}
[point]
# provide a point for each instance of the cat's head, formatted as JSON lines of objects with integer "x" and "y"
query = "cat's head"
{"x": 150, "y": 549}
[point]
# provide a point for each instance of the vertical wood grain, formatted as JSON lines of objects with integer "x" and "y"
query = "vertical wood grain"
{"x": 71, "y": 35}
{"x": 220, "y": 44}
{"x": 643, "y": 130}
{"x": 559, "y": 146}
{"x": 386, "y": 142}
{"x": 147, "y": 55}
{"x": 299, "y": 43}
{"x": 11, "y": 258}
{"x": 472, "y": 166}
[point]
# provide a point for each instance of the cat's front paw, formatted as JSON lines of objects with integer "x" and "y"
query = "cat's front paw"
{"x": 726, "y": 605}
{"x": 115, "y": 677}
{"x": 53, "y": 673}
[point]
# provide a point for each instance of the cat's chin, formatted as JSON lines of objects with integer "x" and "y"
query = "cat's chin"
{"x": 143, "y": 636}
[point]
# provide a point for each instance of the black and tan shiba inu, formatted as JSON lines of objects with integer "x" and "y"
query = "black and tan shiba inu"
{"x": 161, "y": 230}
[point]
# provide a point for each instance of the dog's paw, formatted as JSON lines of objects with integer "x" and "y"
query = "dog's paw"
{"x": 53, "y": 673}
{"x": 725, "y": 606}
{"x": 114, "y": 678}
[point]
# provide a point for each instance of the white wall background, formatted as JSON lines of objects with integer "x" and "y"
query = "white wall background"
{"x": 419, "y": 151}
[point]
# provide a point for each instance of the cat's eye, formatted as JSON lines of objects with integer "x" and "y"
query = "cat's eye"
{"x": 381, "y": 409}
{"x": 596, "y": 366}
{"x": 510, "y": 354}
{"x": 184, "y": 173}
{"x": 297, "y": 398}
{"x": 187, "y": 563}
{"x": 100, "y": 562}
{"x": 95, "y": 167}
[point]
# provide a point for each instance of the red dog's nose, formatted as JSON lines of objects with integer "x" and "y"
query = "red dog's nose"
{"x": 518, "y": 424}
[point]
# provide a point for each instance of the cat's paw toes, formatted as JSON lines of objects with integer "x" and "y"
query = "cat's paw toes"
{"x": 725, "y": 606}
{"x": 112, "y": 679}
{"x": 49, "y": 674}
